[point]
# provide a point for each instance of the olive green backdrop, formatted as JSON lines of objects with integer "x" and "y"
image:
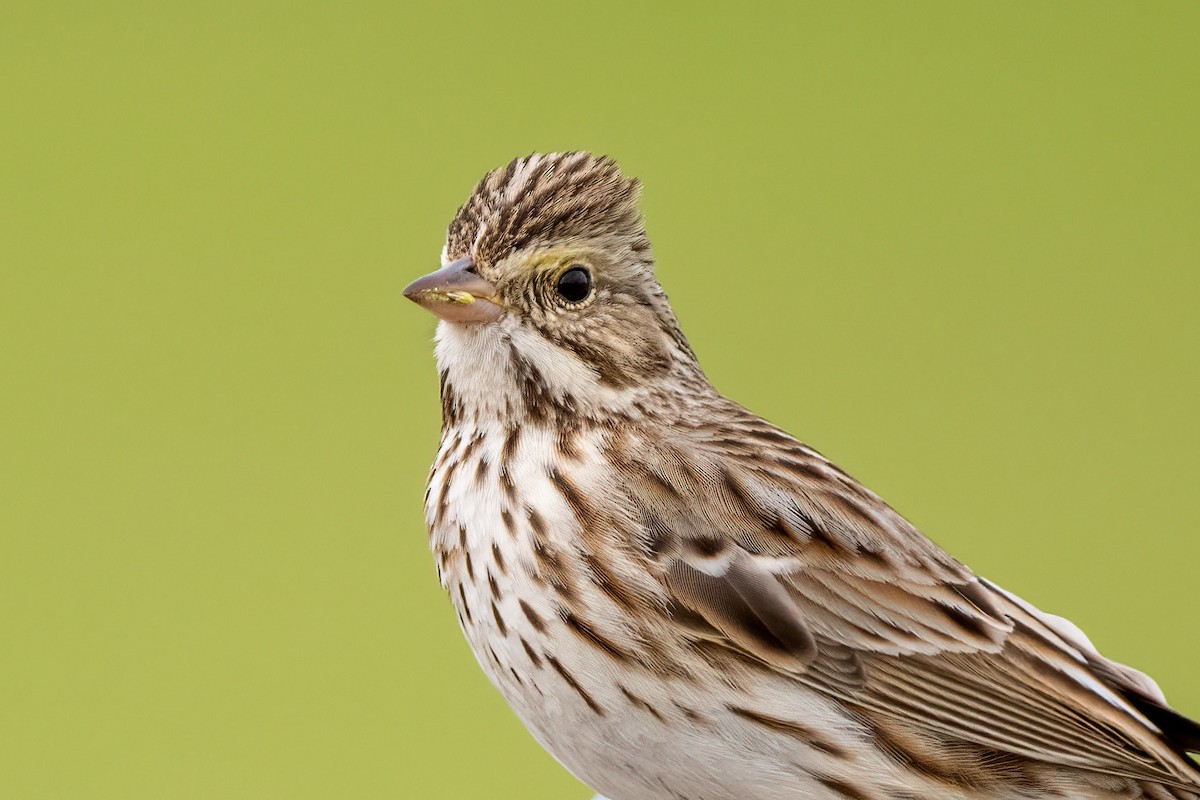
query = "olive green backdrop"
{"x": 952, "y": 245}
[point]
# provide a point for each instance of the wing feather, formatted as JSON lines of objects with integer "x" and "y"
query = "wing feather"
{"x": 797, "y": 566}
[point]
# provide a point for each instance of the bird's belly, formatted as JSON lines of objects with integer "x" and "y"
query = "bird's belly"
{"x": 630, "y": 736}
{"x": 567, "y": 654}
{"x": 633, "y": 735}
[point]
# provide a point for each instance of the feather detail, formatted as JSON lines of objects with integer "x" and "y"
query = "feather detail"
{"x": 931, "y": 645}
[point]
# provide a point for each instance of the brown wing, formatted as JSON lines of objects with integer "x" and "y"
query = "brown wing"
{"x": 794, "y": 564}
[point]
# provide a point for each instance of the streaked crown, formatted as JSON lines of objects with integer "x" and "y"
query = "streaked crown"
{"x": 555, "y": 197}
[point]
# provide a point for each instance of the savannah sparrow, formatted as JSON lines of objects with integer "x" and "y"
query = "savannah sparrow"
{"x": 679, "y": 599}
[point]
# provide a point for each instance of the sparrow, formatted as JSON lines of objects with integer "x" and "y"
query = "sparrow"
{"x": 681, "y": 600}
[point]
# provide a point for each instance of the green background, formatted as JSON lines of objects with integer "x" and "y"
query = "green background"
{"x": 952, "y": 245}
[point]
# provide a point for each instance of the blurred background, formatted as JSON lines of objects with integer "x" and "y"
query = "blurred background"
{"x": 953, "y": 246}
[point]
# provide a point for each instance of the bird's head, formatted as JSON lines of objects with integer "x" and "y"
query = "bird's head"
{"x": 547, "y": 285}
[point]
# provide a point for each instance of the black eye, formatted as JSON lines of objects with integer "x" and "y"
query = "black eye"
{"x": 575, "y": 284}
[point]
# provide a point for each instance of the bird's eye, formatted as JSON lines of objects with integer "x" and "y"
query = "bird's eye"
{"x": 575, "y": 284}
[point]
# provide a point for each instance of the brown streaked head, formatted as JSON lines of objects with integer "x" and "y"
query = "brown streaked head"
{"x": 551, "y": 250}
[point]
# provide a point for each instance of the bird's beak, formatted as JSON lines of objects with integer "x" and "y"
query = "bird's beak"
{"x": 456, "y": 293}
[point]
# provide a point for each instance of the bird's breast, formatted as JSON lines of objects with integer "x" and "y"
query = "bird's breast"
{"x": 537, "y": 556}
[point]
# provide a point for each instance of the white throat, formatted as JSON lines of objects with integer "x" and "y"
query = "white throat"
{"x": 482, "y": 366}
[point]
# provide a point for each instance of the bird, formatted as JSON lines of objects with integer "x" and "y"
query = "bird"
{"x": 680, "y": 600}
